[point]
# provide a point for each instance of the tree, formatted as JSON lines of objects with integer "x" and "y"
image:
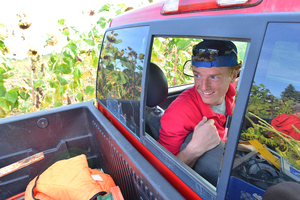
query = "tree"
{"x": 264, "y": 104}
{"x": 290, "y": 93}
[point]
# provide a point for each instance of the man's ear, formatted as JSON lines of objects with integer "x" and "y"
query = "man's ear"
{"x": 234, "y": 76}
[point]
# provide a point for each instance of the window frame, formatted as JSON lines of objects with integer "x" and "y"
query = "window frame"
{"x": 163, "y": 29}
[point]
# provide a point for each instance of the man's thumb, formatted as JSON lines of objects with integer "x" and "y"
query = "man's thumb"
{"x": 204, "y": 119}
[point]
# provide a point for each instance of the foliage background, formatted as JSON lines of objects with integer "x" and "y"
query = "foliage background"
{"x": 45, "y": 81}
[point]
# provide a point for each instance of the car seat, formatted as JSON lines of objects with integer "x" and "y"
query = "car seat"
{"x": 157, "y": 92}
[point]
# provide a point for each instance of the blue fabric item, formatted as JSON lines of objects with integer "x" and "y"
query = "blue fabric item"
{"x": 221, "y": 61}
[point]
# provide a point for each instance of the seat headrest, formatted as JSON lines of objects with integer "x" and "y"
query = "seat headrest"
{"x": 157, "y": 88}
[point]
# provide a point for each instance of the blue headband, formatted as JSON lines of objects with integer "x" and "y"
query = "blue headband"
{"x": 221, "y": 61}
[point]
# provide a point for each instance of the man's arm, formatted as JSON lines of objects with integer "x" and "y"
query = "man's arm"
{"x": 205, "y": 138}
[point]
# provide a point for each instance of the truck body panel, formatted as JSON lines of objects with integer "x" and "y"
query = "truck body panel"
{"x": 153, "y": 12}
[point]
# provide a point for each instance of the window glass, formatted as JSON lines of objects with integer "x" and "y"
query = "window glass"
{"x": 270, "y": 118}
{"x": 173, "y": 56}
{"x": 170, "y": 54}
{"x": 120, "y": 74}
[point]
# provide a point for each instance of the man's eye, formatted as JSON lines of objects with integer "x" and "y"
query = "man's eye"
{"x": 214, "y": 77}
{"x": 196, "y": 75}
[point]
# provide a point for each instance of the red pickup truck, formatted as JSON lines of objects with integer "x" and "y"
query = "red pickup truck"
{"x": 141, "y": 71}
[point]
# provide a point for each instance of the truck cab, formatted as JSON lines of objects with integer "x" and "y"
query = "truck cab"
{"x": 141, "y": 72}
{"x": 144, "y": 65}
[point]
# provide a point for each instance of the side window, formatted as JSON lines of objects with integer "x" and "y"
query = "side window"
{"x": 173, "y": 56}
{"x": 270, "y": 133}
{"x": 120, "y": 74}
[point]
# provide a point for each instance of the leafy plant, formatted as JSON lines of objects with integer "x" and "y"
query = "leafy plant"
{"x": 9, "y": 98}
{"x": 171, "y": 54}
{"x": 120, "y": 70}
{"x": 284, "y": 144}
{"x": 55, "y": 80}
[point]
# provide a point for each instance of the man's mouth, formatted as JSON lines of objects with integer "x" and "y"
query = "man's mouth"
{"x": 207, "y": 93}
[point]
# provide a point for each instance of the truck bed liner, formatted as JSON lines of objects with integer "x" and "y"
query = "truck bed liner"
{"x": 68, "y": 131}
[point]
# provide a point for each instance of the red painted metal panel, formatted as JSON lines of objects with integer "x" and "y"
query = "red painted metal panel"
{"x": 153, "y": 12}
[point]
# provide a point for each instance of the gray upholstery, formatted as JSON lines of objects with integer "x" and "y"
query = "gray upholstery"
{"x": 157, "y": 92}
{"x": 153, "y": 116}
{"x": 209, "y": 164}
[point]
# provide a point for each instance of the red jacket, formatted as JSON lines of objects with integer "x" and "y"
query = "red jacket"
{"x": 185, "y": 112}
{"x": 283, "y": 123}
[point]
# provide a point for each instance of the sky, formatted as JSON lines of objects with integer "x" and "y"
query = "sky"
{"x": 44, "y": 16}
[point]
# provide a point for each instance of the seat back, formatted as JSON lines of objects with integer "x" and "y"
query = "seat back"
{"x": 157, "y": 92}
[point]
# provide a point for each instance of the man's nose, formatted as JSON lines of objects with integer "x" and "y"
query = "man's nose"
{"x": 205, "y": 84}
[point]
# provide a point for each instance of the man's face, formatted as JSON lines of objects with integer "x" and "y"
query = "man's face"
{"x": 212, "y": 83}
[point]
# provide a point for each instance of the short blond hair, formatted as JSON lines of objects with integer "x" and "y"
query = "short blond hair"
{"x": 234, "y": 69}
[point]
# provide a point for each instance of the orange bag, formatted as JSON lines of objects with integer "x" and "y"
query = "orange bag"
{"x": 69, "y": 179}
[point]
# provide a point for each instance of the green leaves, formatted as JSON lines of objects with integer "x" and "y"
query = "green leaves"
{"x": 76, "y": 73}
{"x": 59, "y": 78}
{"x": 79, "y": 97}
{"x": 89, "y": 90}
{"x": 172, "y": 53}
{"x": 3, "y": 104}
{"x": 90, "y": 42}
{"x": 102, "y": 22}
{"x": 66, "y": 32}
{"x": 69, "y": 53}
{"x": 264, "y": 104}
{"x": 2, "y": 46}
{"x": 73, "y": 47}
{"x": 57, "y": 104}
{"x": 24, "y": 95}
{"x": 120, "y": 78}
{"x": 182, "y": 44}
{"x": 61, "y": 22}
{"x": 11, "y": 96}
{"x": 38, "y": 83}
{"x": 2, "y": 90}
{"x": 157, "y": 45}
{"x": 6, "y": 64}
{"x": 105, "y": 7}
{"x": 62, "y": 80}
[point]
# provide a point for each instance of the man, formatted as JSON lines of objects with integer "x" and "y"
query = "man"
{"x": 284, "y": 122}
{"x": 202, "y": 109}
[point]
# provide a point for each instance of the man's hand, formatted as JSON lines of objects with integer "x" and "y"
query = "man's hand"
{"x": 205, "y": 138}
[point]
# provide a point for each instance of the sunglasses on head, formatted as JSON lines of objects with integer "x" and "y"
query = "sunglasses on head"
{"x": 213, "y": 51}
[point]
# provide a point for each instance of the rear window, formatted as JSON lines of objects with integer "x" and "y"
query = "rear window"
{"x": 120, "y": 74}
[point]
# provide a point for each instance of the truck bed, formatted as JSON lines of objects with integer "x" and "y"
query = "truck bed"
{"x": 68, "y": 131}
